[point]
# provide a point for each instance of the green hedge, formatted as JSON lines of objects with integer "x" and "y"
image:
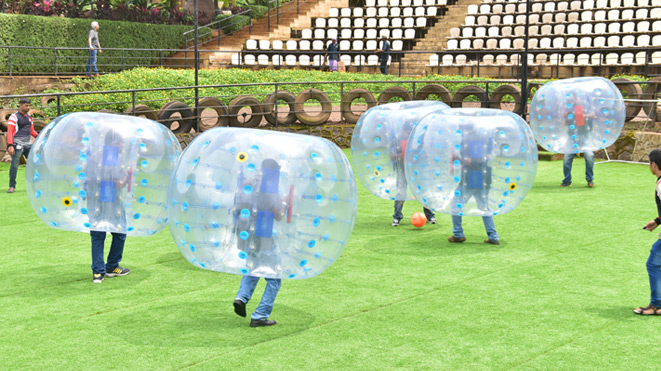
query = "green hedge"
{"x": 36, "y": 31}
{"x": 232, "y": 23}
{"x": 258, "y": 11}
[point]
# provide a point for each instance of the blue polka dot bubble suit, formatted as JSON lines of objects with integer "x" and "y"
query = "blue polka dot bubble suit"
{"x": 378, "y": 143}
{"x": 103, "y": 172}
{"x": 262, "y": 203}
{"x": 577, "y": 115}
{"x": 471, "y": 162}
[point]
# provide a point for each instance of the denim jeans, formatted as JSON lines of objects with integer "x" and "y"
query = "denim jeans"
{"x": 91, "y": 63}
{"x": 16, "y": 160}
{"x": 589, "y": 166}
{"x": 398, "y": 211}
{"x": 654, "y": 272}
{"x": 248, "y": 284}
{"x": 114, "y": 256}
{"x": 458, "y": 230}
{"x": 384, "y": 66}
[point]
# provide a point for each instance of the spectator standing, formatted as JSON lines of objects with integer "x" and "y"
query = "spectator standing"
{"x": 94, "y": 47}
{"x": 20, "y": 129}
{"x": 385, "y": 54}
{"x": 333, "y": 55}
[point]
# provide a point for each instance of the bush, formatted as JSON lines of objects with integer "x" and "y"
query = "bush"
{"x": 35, "y": 31}
{"x": 258, "y": 11}
{"x": 232, "y": 23}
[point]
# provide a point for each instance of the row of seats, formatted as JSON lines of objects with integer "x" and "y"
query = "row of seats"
{"x": 550, "y": 6}
{"x": 395, "y": 3}
{"x": 366, "y": 23}
{"x": 371, "y": 12}
{"x": 293, "y": 45}
{"x": 558, "y": 29}
{"x": 560, "y": 17}
{"x": 301, "y": 60}
{"x": 360, "y": 33}
{"x": 628, "y": 41}
{"x": 596, "y": 59}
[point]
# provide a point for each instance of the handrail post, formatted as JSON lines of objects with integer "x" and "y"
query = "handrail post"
{"x": 160, "y": 57}
{"x": 277, "y": 12}
{"x": 9, "y": 58}
{"x": 55, "y": 59}
{"x": 276, "y": 105}
{"x": 400, "y": 65}
{"x": 123, "y": 61}
{"x": 249, "y": 22}
{"x": 58, "y": 104}
{"x": 298, "y": 11}
{"x": 219, "y": 33}
{"x": 268, "y": 23}
{"x": 133, "y": 102}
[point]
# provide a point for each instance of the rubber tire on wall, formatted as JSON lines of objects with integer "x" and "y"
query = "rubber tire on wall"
{"x": 440, "y": 90}
{"x": 185, "y": 122}
{"x": 245, "y": 101}
{"x": 269, "y": 108}
{"x": 4, "y": 116}
{"x": 500, "y": 92}
{"x": 105, "y": 110}
{"x": 142, "y": 110}
{"x": 648, "y": 93}
{"x": 347, "y": 101}
{"x": 394, "y": 91}
{"x": 633, "y": 91}
{"x": 216, "y": 105}
{"x": 307, "y": 119}
{"x": 469, "y": 90}
{"x": 47, "y": 98}
{"x": 38, "y": 125}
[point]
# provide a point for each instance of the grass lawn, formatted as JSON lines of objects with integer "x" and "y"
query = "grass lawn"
{"x": 556, "y": 294}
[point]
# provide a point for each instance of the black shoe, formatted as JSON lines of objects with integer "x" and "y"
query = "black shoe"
{"x": 395, "y": 222}
{"x": 240, "y": 308}
{"x": 590, "y": 184}
{"x": 565, "y": 184}
{"x": 97, "y": 278}
{"x": 431, "y": 221}
{"x": 261, "y": 322}
{"x": 118, "y": 271}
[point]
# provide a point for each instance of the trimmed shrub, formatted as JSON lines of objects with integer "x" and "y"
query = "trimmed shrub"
{"x": 232, "y": 23}
{"x": 35, "y": 31}
{"x": 258, "y": 11}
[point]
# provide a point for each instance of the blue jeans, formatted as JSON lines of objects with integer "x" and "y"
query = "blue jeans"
{"x": 654, "y": 272}
{"x": 16, "y": 160}
{"x": 248, "y": 284}
{"x": 458, "y": 230}
{"x": 91, "y": 63}
{"x": 398, "y": 211}
{"x": 114, "y": 256}
{"x": 589, "y": 166}
{"x": 384, "y": 66}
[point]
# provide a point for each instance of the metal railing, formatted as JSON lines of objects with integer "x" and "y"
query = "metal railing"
{"x": 220, "y": 26}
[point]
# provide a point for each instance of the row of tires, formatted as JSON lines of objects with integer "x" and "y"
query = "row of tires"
{"x": 180, "y": 117}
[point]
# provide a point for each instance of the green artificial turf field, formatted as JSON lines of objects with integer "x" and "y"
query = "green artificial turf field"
{"x": 556, "y": 294}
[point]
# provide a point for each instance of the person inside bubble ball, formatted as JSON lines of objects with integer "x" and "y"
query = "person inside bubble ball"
{"x": 104, "y": 179}
{"x": 654, "y": 260}
{"x": 261, "y": 256}
{"x": 397, "y": 156}
{"x": 580, "y": 122}
{"x": 474, "y": 183}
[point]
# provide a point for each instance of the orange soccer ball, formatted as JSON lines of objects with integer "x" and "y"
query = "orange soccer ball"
{"x": 418, "y": 219}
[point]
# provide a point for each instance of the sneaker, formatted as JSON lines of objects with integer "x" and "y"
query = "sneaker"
{"x": 118, "y": 271}
{"x": 261, "y": 322}
{"x": 11, "y": 190}
{"x": 492, "y": 242}
{"x": 239, "y": 307}
{"x": 395, "y": 222}
{"x": 97, "y": 278}
{"x": 454, "y": 239}
{"x": 565, "y": 184}
{"x": 431, "y": 221}
{"x": 590, "y": 184}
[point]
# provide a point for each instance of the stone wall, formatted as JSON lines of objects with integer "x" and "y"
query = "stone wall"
{"x": 645, "y": 143}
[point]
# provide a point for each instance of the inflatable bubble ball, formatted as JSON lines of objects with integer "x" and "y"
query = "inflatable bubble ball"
{"x": 471, "y": 162}
{"x": 262, "y": 203}
{"x": 102, "y": 172}
{"x": 577, "y": 115}
{"x": 378, "y": 144}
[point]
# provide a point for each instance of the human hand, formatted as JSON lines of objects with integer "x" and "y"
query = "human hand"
{"x": 651, "y": 225}
{"x": 11, "y": 151}
{"x": 100, "y": 51}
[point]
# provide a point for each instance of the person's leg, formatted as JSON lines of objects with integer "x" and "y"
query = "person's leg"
{"x": 248, "y": 284}
{"x": 428, "y": 213}
{"x": 116, "y": 251}
{"x": 93, "y": 57}
{"x": 88, "y": 66}
{"x": 654, "y": 272}
{"x": 265, "y": 306}
{"x": 491, "y": 228}
{"x": 457, "y": 229}
{"x": 399, "y": 205}
{"x": 13, "y": 168}
{"x": 589, "y": 166}
{"x": 566, "y": 167}
{"x": 98, "y": 239}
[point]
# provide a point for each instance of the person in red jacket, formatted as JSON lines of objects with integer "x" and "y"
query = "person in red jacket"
{"x": 19, "y": 131}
